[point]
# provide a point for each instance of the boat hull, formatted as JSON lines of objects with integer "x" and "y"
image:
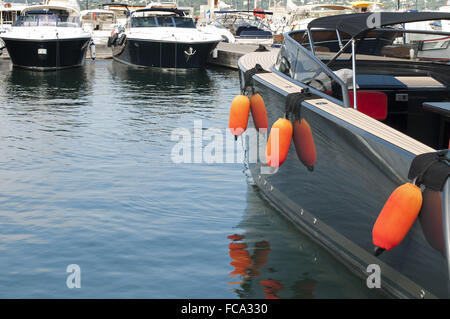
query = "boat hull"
{"x": 47, "y": 55}
{"x": 169, "y": 55}
{"x": 337, "y": 203}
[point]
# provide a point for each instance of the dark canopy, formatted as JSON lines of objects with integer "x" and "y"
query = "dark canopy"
{"x": 176, "y": 11}
{"x": 356, "y": 23}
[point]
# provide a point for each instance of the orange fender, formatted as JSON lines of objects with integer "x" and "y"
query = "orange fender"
{"x": 277, "y": 153}
{"x": 304, "y": 143}
{"x": 259, "y": 113}
{"x": 397, "y": 216}
{"x": 239, "y": 112}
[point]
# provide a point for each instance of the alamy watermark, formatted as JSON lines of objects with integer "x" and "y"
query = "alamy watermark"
{"x": 213, "y": 145}
{"x": 374, "y": 20}
{"x": 374, "y": 279}
{"x": 74, "y": 279}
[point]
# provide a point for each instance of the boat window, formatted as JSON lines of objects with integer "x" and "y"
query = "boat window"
{"x": 165, "y": 21}
{"x": 308, "y": 71}
{"x": 46, "y": 20}
{"x": 143, "y": 22}
{"x": 181, "y": 22}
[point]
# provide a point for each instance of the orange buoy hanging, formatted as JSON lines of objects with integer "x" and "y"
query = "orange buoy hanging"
{"x": 396, "y": 217}
{"x": 279, "y": 141}
{"x": 259, "y": 113}
{"x": 239, "y": 112}
{"x": 304, "y": 144}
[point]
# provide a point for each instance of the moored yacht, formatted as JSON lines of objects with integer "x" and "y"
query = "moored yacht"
{"x": 163, "y": 38}
{"x": 431, "y": 46}
{"x": 247, "y": 27}
{"x": 362, "y": 161}
{"x": 100, "y": 23}
{"x": 48, "y": 37}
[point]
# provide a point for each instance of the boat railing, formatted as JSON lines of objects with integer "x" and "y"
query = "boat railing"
{"x": 304, "y": 68}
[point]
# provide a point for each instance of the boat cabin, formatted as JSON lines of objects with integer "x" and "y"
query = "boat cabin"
{"x": 160, "y": 17}
{"x": 48, "y": 16}
{"x": 99, "y": 19}
{"x": 376, "y": 70}
{"x": 244, "y": 23}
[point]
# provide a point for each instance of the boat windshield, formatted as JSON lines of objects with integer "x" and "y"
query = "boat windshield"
{"x": 143, "y": 22}
{"x": 296, "y": 63}
{"x": 47, "y": 20}
{"x": 182, "y": 22}
{"x": 162, "y": 21}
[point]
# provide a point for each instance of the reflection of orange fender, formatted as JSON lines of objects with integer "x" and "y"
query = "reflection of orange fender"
{"x": 239, "y": 112}
{"x": 304, "y": 143}
{"x": 235, "y": 246}
{"x": 235, "y": 237}
{"x": 240, "y": 259}
{"x": 271, "y": 287}
{"x": 259, "y": 113}
{"x": 397, "y": 216}
{"x": 275, "y": 156}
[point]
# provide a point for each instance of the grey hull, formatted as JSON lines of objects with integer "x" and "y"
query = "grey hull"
{"x": 338, "y": 202}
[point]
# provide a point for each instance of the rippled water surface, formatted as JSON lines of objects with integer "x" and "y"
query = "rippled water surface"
{"x": 86, "y": 178}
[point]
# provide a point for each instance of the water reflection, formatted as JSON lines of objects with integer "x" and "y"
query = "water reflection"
{"x": 271, "y": 259}
{"x": 52, "y": 101}
{"x": 164, "y": 82}
{"x": 249, "y": 268}
{"x": 159, "y": 101}
{"x": 26, "y": 85}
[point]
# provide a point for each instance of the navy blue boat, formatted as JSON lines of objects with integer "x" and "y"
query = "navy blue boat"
{"x": 162, "y": 38}
{"x": 47, "y": 37}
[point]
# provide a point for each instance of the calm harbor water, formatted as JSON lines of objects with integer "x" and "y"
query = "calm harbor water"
{"x": 86, "y": 178}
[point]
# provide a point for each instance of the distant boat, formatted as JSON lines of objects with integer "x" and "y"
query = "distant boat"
{"x": 247, "y": 27}
{"x": 47, "y": 37}
{"x": 100, "y": 23}
{"x": 162, "y": 37}
{"x": 9, "y": 11}
{"x": 429, "y": 46}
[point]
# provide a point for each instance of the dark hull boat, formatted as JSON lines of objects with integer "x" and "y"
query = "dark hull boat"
{"x": 47, "y": 54}
{"x": 47, "y": 37}
{"x": 162, "y": 38}
{"x": 346, "y": 159}
{"x": 171, "y": 55}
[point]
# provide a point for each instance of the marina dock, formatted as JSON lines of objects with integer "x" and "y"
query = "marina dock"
{"x": 228, "y": 54}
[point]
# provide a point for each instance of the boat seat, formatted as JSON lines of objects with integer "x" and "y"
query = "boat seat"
{"x": 371, "y": 103}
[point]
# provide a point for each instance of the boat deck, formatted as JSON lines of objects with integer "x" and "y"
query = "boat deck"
{"x": 349, "y": 115}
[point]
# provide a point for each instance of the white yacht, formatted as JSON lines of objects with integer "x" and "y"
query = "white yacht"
{"x": 163, "y": 37}
{"x": 431, "y": 46}
{"x": 48, "y": 37}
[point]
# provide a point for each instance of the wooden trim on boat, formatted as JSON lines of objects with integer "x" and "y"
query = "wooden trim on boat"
{"x": 349, "y": 115}
{"x": 420, "y": 82}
